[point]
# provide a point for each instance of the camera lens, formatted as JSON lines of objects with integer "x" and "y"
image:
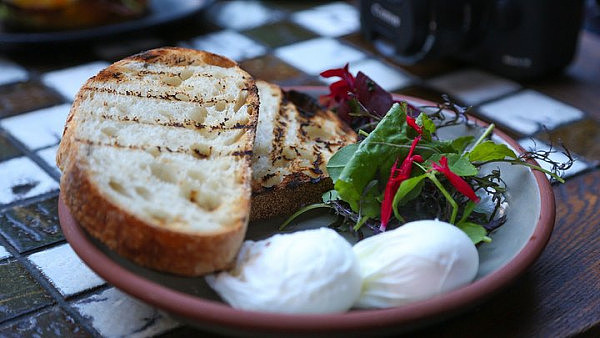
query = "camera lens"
{"x": 409, "y": 19}
{"x": 420, "y": 29}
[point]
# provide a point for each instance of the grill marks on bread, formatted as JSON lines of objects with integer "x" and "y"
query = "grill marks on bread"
{"x": 299, "y": 145}
{"x": 166, "y": 57}
{"x": 138, "y": 105}
{"x": 156, "y": 159}
{"x": 120, "y": 106}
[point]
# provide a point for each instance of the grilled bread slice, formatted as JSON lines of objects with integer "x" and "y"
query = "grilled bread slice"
{"x": 156, "y": 159}
{"x": 294, "y": 140}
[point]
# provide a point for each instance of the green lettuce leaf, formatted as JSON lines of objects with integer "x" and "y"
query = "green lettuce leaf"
{"x": 459, "y": 144}
{"x": 459, "y": 165}
{"x": 428, "y": 126}
{"x": 408, "y": 190}
{"x": 338, "y": 161}
{"x": 490, "y": 151}
{"x": 369, "y": 204}
{"x": 476, "y": 232}
{"x": 329, "y": 196}
{"x": 375, "y": 152}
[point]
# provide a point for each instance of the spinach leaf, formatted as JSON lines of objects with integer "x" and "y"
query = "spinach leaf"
{"x": 476, "y": 232}
{"x": 408, "y": 190}
{"x": 338, "y": 161}
{"x": 329, "y": 196}
{"x": 460, "y": 143}
{"x": 428, "y": 126}
{"x": 459, "y": 165}
{"x": 490, "y": 151}
{"x": 369, "y": 204}
{"x": 374, "y": 156}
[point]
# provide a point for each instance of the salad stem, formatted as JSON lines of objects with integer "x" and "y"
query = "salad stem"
{"x": 467, "y": 211}
{"x": 360, "y": 222}
{"x": 483, "y": 136}
{"x": 529, "y": 165}
{"x": 446, "y": 194}
{"x": 301, "y": 211}
{"x": 538, "y": 168}
{"x": 397, "y": 213}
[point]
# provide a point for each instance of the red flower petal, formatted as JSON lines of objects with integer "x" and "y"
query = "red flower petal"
{"x": 339, "y": 90}
{"x": 344, "y": 73}
{"x": 413, "y": 123}
{"x": 388, "y": 196}
{"x": 457, "y": 182}
{"x": 333, "y": 72}
{"x": 418, "y": 158}
{"x": 397, "y": 176}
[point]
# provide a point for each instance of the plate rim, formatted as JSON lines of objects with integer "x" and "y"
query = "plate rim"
{"x": 208, "y": 313}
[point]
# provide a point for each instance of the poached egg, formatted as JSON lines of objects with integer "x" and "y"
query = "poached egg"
{"x": 310, "y": 271}
{"x": 413, "y": 262}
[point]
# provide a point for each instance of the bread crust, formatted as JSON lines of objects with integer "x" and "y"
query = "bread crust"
{"x": 180, "y": 253}
{"x": 188, "y": 253}
{"x": 286, "y": 198}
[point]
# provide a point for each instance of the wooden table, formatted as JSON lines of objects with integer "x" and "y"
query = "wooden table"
{"x": 558, "y": 296}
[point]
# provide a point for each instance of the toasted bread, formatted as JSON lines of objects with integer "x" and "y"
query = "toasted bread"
{"x": 156, "y": 159}
{"x": 294, "y": 140}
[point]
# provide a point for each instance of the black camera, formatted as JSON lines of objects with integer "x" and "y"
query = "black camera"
{"x": 521, "y": 39}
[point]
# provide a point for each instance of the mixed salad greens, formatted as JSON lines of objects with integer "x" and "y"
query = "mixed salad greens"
{"x": 401, "y": 171}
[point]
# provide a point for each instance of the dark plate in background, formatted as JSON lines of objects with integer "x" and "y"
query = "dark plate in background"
{"x": 160, "y": 12}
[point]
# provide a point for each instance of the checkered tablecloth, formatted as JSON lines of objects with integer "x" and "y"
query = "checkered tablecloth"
{"x": 45, "y": 289}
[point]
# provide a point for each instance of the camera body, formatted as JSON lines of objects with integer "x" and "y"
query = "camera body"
{"x": 521, "y": 39}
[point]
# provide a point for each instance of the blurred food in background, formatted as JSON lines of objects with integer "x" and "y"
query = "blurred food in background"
{"x": 56, "y": 15}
